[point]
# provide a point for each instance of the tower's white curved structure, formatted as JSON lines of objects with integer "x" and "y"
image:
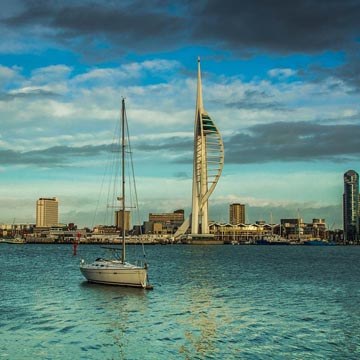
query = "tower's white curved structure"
{"x": 207, "y": 166}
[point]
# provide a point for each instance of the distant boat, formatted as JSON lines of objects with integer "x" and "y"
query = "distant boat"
{"x": 272, "y": 240}
{"x": 318, "y": 242}
{"x": 279, "y": 242}
{"x": 15, "y": 241}
{"x": 201, "y": 239}
{"x": 262, "y": 242}
{"x": 118, "y": 271}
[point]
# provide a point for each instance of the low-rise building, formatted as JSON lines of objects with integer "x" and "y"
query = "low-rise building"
{"x": 164, "y": 223}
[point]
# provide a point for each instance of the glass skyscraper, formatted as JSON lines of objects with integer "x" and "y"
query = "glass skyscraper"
{"x": 351, "y": 206}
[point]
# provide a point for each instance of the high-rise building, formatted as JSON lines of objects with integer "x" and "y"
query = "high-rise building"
{"x": 237, "y": 214}
{"x": 47, "y": 212}
{"x": 351, "y": 205}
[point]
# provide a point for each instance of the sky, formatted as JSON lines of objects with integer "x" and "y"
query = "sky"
{"x": 281, "y": 80}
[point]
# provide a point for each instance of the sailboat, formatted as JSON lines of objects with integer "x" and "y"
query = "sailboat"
{"x": 118, "y": 271}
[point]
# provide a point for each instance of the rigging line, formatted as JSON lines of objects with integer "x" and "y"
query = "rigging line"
{"x": 128, "y": 161}
{"x": 113, "y": 178}
{"x": 106, "y": 173}
{"x": 134, "y": 183}
{"x": 114, "y": 174}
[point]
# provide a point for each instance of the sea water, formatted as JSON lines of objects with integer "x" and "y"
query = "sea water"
{"x": 208, "y": 302}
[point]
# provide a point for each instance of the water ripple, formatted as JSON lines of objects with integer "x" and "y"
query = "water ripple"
{"x": 217, "y": 302}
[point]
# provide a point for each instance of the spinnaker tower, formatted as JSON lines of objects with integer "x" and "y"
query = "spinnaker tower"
{"x": 208, "y": 163}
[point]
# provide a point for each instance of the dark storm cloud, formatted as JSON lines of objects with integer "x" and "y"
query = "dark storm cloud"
{"x": 101, "y": 31}
{"x": 280, "y": 26}
{"x": 299, "y": 141}
{"x": 51, "y": 157}
{"x": 350, "y": 72}
{"x": 279, "y": 142}
{"x": 128, "y": 25}
{"x": 276, "y": 142}
{"x": 61, "y": 156}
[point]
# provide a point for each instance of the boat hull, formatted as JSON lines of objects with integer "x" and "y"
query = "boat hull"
{"x": 200, "y": 239}
{"x": 13, "y": 241}
{"x": 318, "y": 243}
{"x": 110, "y": 273}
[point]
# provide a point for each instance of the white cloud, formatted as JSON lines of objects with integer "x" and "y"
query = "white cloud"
{"x": 281, "y": 72}
{"x": 9, "y": 76}
{"x": 164, "y": 107}
{"x": 159, "y": 108}
{"x": 100, "y": 76}
{"x": 151, "y": 65}
{"x": 113, "y": 76}
{"x": 86, "y": 115}
{"x": 7, "y": 72}
{"x": 50, "y": 74}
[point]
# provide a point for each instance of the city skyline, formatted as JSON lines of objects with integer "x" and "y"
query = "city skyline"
{"x": 287, "y": 106}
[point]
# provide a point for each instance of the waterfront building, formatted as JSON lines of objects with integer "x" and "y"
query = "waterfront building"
{"x": 10, "y": 230}
{"x": 298, "y": 230}
{"x": 47, "y": 212}
{"x": 105, "y": 229}
{"x": 208, "y": 162}
{"x": 158, "y": 228}
{"x": 56, "y": 234}
{"x": 176, "y": 217}
{"x": 292, "y": 228}
{"x": 237, "y": 214}
{"x": 147, "y": 227}
{"x": 351, "y": 206}
{"x": 319, "y": 228}
{"x": 240, "y": 233}
{"x": 164, "y": 223}
{"x": 119, "y": 220}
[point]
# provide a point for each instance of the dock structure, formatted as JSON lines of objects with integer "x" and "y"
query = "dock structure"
{"x": 208, "y": 163}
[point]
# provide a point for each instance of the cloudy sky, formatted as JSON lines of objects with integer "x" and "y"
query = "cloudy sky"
{"x": 281, "y": 79}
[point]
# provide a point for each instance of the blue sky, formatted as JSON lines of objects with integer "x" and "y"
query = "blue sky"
{"x": 281, "y": 80}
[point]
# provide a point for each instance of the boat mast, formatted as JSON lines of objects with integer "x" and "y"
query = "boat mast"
{"x": 123, "y": 178}
{"x": 298, "y": 214}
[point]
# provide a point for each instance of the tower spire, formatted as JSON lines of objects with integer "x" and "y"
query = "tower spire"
{"x": 199, "y": 100}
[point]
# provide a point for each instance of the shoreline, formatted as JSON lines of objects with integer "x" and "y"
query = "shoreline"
{"x": 161, "y": 242}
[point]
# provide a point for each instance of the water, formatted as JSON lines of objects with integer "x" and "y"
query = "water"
{"x": 216, "y": 302}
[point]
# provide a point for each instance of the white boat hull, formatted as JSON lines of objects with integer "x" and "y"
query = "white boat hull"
{"x": 13, "y": 241}
{"x": 114, "y": 273}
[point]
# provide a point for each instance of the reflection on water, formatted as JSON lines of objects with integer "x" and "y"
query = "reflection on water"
{"x": 108, "y": 291}
{"x": 200, "y": 326}
{"x": 119, "y": 304}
